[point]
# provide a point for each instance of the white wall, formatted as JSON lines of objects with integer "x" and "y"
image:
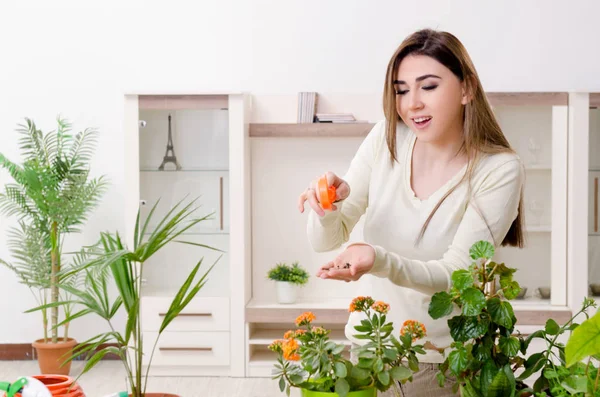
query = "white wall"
{"x": 79, "y": 58}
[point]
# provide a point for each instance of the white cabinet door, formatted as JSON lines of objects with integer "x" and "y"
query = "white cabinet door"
{"x": 593, "y": 200}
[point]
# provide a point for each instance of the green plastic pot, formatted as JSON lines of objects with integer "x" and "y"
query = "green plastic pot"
{"x": 371, "y": 392}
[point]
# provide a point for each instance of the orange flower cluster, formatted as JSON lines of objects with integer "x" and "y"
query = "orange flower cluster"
{"x": 292, "y": 334}
{"x": 289, "y": 349}
{"x": 276, "y": 345}
{"x": 414, "y": 328}
{"x": 360, "y": 304}
{"x": 381, "y": 307}
{"x": 305, "y": 319}
{"x": 319, "y": 331}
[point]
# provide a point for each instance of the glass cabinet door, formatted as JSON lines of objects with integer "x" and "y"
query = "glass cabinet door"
{"x": 184, "y": 155}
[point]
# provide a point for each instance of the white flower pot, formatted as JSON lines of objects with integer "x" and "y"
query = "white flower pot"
{"x": 286, "y": 291}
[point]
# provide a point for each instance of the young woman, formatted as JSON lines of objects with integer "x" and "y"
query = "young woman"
{"x": 434, "y": 177}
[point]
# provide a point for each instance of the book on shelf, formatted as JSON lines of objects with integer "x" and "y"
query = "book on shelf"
{"x": 336, "y": 118}
{"x": 307, "y": 105}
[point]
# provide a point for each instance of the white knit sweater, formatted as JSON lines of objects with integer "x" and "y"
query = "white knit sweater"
{"x": 403, "y": 275}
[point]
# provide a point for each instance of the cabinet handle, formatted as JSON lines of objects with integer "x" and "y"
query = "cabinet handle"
{"x": 596, "y": 204}
{"x": 221, "y": 202}
{"x": 183, "y": 349}
{"x": 189, "y": 314}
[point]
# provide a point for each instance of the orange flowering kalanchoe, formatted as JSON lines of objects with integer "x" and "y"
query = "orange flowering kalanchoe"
{"x": 319, "y": 331}
{"x": 276, "y": 345}
{"x": 414, "y": 328}
{"x": 381, "y": 307}
{"x": 289, "y": 350}
{"x": 360, "y": 304}
{"x": 305, "y": 319}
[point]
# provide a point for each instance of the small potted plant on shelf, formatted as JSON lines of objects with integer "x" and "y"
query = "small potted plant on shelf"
{"x": 287, "y": 280}
{"x": 111, "y": 261}
{"x": 309, "y": 360}
{"x": 52, "y": 195}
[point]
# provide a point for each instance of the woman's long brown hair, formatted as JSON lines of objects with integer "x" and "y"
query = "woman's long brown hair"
{"x": 481, "y": 131}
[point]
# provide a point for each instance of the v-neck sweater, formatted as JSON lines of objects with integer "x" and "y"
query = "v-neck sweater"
{"x": 404, "y": 274}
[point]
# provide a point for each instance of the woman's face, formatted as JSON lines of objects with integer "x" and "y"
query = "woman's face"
{"x": 430, "y": 99}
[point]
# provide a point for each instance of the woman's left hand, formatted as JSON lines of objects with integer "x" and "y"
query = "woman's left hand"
{"x": 350, "y": 265}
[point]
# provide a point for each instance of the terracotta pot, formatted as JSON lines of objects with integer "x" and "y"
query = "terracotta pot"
{"x": 61, "y": 385}
{"x": 52, "y": 355}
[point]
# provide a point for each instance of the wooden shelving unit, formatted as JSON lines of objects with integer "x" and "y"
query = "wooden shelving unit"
{"x": 291, "y": 130}
{"x": 528, "y": 98}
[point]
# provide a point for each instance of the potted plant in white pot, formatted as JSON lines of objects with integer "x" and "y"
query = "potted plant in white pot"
{"x": 287, "y": 280}
{"x": 52, "y": 196}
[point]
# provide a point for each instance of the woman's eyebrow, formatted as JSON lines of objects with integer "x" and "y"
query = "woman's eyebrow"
{"x": 420, "y": 78}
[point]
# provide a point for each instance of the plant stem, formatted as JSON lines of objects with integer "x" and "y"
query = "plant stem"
{"x": 596, "y": 382}
{"x": 54, "y": 279}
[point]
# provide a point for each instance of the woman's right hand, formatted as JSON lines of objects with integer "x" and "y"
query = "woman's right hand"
{"x": 310, "y": 194}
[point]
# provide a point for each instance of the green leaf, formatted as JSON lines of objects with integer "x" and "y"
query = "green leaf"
{"x": 378, "y": 365}
{"x": 468, "y": 390}
{"x": 342, "y": 387}
{"x": 441, "y": 379}
{"x": 390, "y": 354}
{"x": 440, "y": 305}
{"x": 534, "y": 363}
{"x": 363, "y": 328}
{"x": 482, "y": 249}
{"x": 458, "y": 360}
{"x": 462, "y": 279}
{"x": 473, "y": 301}
{"x": 575, "y": 384}
{"x": 501, "y": 313}
{"x": 488, "y": 372}
{"x": 400, "y": 373}
{"x": 584, "y": 341}
{"x": 359, "y": 373}
{"x": 281, "y": 384}
{"x": 340, "y": 370}
{"x": 463, "y": 328}
{"x": 384, "y": 377}
{"x": 509, "y": 346}
{"x": 549, "y": 373}
{"x": 365, "y": 363}
{"x": 500, "y": 386}
{"x": 511, "y": 290}
{"x": 552, "y": 328}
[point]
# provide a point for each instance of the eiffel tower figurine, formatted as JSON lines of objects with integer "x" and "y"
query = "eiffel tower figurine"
{"x": 170, "y": 154}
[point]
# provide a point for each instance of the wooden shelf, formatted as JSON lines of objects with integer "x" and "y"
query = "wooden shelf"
{"x": 310, "y": 130}
{"x": 528, "y": 98}
{"x": 528, "y": 312}
{"x": 266, "y": 336}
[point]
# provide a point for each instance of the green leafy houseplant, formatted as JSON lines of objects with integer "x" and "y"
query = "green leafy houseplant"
{"x": 309, "y": 360}
{"x": 562, "y": 371}
{"x": 485, "y": 353}
{"x": 294, "y": 274}
{"x": 51, "y": 196}
{"x": 126, "y": 268}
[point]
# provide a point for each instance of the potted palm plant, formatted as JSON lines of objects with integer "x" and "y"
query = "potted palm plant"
{"x": 111, "y": 261}
{"x": 52, "y": 196}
